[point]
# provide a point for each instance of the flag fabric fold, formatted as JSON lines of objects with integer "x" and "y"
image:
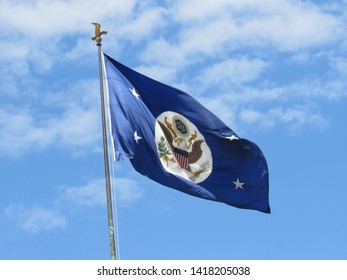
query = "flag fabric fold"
{"x": 171, "y": 138}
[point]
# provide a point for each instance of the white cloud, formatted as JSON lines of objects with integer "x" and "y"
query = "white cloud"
{"x": 291, "y": 27}
{"x": 164, "y": 53}
{"x": 293, "y": 118}
{"x": 333, "y": 88}
{"x": 202, "y": 10}
{"x": 287, "y": 25}
{"x": 294, "y": 106}
{"x": 209, "y": 28}
{"x": 75, "y": 123}
{"x": 36, "y": 32}
{"x": 18, "y": 133}
{"x": 251, "y": 116}
{"x": 10, "y": 50}
{"x": 210, "y": 38}
{"x": 128, "y": 191}
{"x": 340, "y": 65}
{"x": 35, "y": 219}
{"x": 94, "y": 194}
{"x": 232, "y": 71}
{"x": 76, "y": 127}
{"x": 50, "y": 18}
{"x": 142, "y": 26}
{"x": 175, "y": 40}
{"x": 223, "y": 109}
{"x": 159, "y": 73}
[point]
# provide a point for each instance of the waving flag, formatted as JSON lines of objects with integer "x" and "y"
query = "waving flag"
{"x": 171, "y": 138}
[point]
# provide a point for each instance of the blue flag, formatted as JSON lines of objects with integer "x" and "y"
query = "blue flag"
{"x": 171, "y": 138}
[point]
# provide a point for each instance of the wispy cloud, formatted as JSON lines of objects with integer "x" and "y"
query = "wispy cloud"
{"x": 38, "y": 19}
{"x": 232, "y": 72}
{"x": 294, "y": 118}
{"x": 128, "y": 191}
{"x": 94, "y": 194}
{"x": 205, "y": 55}
{"x": 89, "y": 195}
{"x": 73, "y": 121}
{"x": 287, "y": 25}
{"x": 144, "y": 25}
{"x": 35, "y": 219}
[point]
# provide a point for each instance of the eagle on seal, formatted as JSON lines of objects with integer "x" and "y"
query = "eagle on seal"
{"x": 191, "y": 157}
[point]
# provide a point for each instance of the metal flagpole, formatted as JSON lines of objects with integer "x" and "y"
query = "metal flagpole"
{"x": 98, "y": 40}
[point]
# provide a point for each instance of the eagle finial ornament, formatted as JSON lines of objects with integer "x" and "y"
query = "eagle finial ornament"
{"x": 98, "y": 33}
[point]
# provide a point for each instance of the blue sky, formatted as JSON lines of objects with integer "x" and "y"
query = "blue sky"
{"x": 275, "y": 71}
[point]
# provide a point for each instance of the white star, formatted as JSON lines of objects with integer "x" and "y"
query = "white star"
{"x": 238, "y": 184}
{"x": 232, "y": 137}
{"x": 136, "y": 137}
{"x": 133, "y": 91}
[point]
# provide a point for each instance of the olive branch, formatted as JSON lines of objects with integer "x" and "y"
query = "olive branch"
{"x": 163, "y": 150}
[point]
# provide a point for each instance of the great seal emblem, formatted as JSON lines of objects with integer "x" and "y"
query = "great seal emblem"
{"x": 181, "y": 147}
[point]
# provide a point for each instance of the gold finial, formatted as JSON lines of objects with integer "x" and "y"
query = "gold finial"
{"x": 98, "y": 33}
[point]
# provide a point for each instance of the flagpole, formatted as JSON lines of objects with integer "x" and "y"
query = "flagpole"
{"x": 111, "y": 231}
